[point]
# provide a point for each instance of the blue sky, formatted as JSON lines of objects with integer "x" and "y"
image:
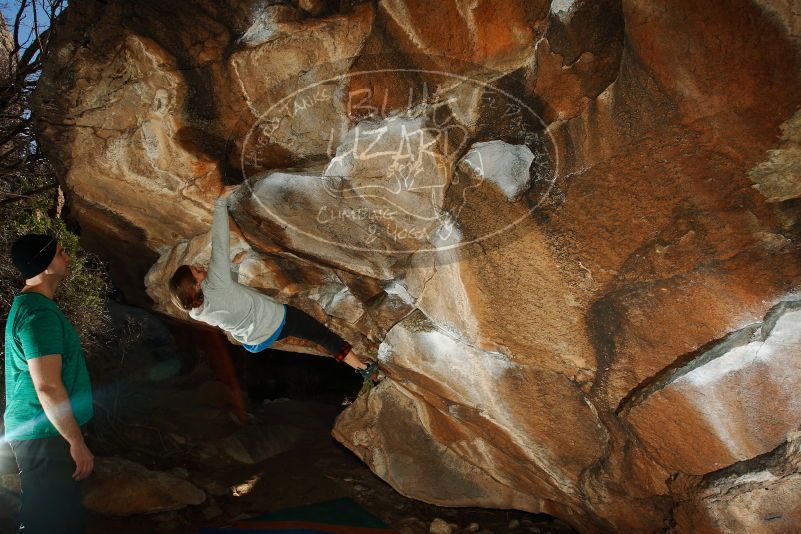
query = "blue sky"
{"x": 9, "y": 9}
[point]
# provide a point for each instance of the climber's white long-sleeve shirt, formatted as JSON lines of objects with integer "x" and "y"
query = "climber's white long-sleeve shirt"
{"x": 250, "y": 316}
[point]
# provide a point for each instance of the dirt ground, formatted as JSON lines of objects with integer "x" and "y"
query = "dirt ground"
{"x": 315, "y": 469}
{"x": 318, "y": 469}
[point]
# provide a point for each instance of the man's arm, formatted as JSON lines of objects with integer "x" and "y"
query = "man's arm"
{"x": 46, "y": 376}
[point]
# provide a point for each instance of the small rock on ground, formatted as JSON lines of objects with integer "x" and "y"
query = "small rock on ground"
{"x": 440, "y": 526}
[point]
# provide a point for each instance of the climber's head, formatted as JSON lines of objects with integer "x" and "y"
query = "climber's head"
{"x": 185, "y": 286}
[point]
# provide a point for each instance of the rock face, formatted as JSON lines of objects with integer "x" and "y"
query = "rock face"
{"x": 568, "y": 230}
{"x": 122, "y": 487}
{"x": 718, "y": 401}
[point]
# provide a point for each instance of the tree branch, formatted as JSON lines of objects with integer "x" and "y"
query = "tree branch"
{"x": 18, "y": 129}
{"x": 27, "y": 195}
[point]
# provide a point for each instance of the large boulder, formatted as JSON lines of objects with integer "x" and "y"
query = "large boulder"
{"x": 569, "y": 231}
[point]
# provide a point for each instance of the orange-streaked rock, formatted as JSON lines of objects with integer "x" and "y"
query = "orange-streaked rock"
{"x": 614, "y": 190}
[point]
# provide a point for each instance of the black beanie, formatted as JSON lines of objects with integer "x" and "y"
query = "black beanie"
{"x": 32, "y": 253}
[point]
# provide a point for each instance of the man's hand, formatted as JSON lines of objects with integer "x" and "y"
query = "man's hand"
{"x": 84, "y": 460}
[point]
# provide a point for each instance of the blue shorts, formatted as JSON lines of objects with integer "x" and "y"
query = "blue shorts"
{"x": 270, "y": 340}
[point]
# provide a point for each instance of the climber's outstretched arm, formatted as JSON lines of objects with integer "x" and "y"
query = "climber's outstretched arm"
{"x": 219, "y": 272}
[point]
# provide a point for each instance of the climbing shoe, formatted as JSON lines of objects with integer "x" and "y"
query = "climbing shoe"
{"x": 369, "y": 372}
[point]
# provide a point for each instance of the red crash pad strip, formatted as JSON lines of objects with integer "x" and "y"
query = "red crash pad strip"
{"x": 322, "y": 527}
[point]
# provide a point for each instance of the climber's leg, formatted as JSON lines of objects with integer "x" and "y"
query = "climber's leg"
{"x": 300, "y": 324}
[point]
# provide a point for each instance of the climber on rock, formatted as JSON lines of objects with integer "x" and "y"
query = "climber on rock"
{"x": 251, "y": 317}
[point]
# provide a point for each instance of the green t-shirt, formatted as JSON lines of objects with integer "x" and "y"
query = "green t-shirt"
{"x": 37, "y": 327}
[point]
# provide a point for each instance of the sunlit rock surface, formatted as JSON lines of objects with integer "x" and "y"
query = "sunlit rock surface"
{"x": 567, "y": 230}
{"x": 720, "y": 402}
